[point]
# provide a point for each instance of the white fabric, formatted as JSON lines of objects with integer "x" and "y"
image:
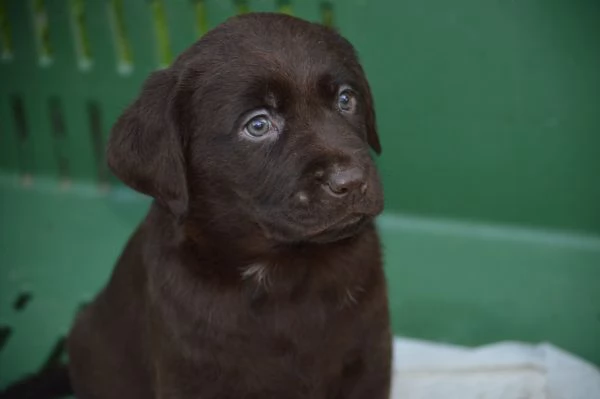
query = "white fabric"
{"x": 505, "y": 370}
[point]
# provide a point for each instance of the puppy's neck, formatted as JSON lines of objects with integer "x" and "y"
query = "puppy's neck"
{"x": 337, "y": 273}
{"x": 237, "y": 257}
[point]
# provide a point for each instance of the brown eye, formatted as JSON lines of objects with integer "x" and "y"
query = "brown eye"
{"x": 346, "y": 101}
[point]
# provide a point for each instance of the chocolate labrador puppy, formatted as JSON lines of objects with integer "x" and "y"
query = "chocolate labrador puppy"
{"x": 257, "y": 272}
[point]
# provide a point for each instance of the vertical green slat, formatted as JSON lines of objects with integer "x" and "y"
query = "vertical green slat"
{"x": 80, "y": 32}
{"x": 9, "y": 161}
{"x": 22, "y": 117}
{"x": 6, "y": 45}
{"x": 120, "y": 36}
{"x": 42, "y": 31}
{"x": 285, "y": 7}
{"x": 49, "y": 82}
{"x": 161, "y": 30}
{"x": 327, "y": 15}
{"x": 68, "y": 147}
{"x": 15, "y": 152}
{"x": 200, "y": 17}
{"x": 242, "y": 7}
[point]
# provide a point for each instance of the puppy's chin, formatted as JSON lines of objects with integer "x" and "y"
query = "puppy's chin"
{"x": 348, "y": 227}
{"x": 292, "y": 233}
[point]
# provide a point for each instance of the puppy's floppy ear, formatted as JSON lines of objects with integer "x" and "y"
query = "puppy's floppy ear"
{"x": 145, "y": 149}
{"x": 371, "y": 122}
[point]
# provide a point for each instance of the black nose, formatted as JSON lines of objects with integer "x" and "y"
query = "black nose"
{"x": 342, "y": 181}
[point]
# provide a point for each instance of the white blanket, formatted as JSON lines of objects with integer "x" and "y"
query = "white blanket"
{"x": 506, "y": 370}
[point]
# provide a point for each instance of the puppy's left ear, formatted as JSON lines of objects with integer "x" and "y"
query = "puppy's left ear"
{"x": 145, "y": 149}
{"x": 370, "y": 122}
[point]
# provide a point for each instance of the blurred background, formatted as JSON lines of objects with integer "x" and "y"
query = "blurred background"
{"x": 489, "y": 116}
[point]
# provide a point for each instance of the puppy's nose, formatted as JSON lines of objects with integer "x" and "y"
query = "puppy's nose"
{"x": 342, "y": 182}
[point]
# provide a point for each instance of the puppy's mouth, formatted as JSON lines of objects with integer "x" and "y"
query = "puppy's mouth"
{"x": 344, "y": 228}
{"x": 347, "y": 227}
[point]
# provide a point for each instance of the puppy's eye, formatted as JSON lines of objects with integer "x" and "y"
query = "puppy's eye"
{"x": 346, "y": 101}
{"x": 259, "y": 126}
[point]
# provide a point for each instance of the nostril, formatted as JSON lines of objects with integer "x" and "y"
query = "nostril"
{"x": 337, "y": 189}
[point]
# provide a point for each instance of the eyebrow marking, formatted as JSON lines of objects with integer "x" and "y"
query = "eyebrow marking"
{"x": 271, "y": 99}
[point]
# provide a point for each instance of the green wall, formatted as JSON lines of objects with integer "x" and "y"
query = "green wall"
{"x": 489, "y": 109}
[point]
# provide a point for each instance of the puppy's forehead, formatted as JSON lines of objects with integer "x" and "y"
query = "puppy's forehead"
{"x": 275, "y": 45}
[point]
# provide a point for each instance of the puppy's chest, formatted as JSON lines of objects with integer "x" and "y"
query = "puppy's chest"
{"x": 276, "y": 311}
{"x": 301, "y": 309}
{"x": 278, "y": 333}
{"x": 308, "y": 335}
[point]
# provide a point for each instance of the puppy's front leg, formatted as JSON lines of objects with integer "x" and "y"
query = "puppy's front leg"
{"x": 369, "y": 375}
{"x": 179, "y": 380}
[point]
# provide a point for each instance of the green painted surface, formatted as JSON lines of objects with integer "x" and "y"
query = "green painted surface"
{"x": 488, "y": 109}
{"x": 489, "y": 112}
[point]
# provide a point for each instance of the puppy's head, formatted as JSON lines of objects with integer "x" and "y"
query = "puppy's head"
{"x": 263, "y": 128}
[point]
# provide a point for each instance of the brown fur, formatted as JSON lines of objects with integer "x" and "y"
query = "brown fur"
{"x": 257, "y": 272}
